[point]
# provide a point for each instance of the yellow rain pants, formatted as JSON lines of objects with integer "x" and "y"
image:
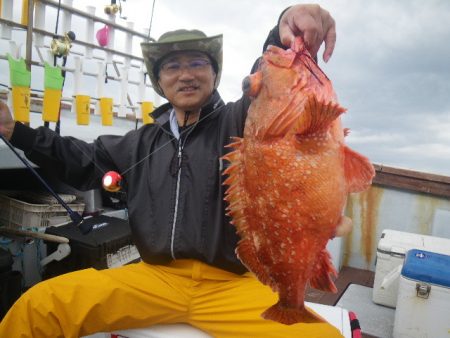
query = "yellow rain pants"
{"x": 139, "y": 295}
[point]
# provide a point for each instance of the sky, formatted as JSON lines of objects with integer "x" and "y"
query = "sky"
{"x": 390, "y": 67}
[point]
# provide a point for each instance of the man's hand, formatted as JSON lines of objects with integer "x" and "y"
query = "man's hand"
{"x": 6, "y": 121}
{"x": 311, "y": 22}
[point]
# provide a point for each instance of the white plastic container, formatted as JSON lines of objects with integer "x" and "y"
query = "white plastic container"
{"x": 423, "y": 305}
{"x": 391, "y": 252}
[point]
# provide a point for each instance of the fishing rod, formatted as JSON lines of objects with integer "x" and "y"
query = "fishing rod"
{"x": 76, "y": 218}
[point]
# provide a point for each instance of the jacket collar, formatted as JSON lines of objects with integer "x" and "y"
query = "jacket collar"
{"x": 162, "y": 114}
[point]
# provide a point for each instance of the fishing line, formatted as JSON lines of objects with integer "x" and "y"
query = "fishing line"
{"x": 309, "y": 68}
{"x": 87, "y": 155}
{"x": 103, "y": 171}
{"x": 149, "y": 39}
{"x": 151, "y": 20}
{"x": 168, "y": 142}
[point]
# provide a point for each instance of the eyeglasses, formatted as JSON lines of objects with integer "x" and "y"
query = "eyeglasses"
{"x": 173, "y": 68}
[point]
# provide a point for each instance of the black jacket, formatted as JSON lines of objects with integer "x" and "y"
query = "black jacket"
{"x": 173, "y": 213}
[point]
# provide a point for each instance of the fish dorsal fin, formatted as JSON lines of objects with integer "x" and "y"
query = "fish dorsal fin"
{"x": 359, "y": 172}
{"x": 316, "y": 116}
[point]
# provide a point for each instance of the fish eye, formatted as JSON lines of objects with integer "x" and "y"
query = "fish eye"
{"x": 252, "y": 84}
{"x": 246, "y": 85}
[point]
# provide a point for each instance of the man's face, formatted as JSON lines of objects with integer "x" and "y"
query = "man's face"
{"x": 187, "y": 80}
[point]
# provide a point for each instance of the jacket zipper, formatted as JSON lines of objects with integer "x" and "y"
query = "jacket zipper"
{"x": 181, "y": 144}
{"x": 177, "y": 196}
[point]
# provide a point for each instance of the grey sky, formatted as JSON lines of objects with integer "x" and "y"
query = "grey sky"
{"x": 390, "y": 68}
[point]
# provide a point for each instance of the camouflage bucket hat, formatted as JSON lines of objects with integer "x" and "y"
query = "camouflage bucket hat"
{"x": 178, "y": 41}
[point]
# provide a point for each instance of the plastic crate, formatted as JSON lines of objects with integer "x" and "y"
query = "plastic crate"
{"x": 17, "y": 213}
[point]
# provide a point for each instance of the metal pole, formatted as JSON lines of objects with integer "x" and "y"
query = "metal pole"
{"x": 29, "y": 49}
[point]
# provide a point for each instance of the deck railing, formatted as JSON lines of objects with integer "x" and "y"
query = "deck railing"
{"x": 87, "y": 60}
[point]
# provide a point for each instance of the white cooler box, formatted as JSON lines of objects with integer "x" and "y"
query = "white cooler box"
{"x": 391, "y": 251}
{"x": 423, "y": 305}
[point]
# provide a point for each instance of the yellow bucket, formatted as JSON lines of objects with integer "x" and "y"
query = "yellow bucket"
{"x": 21, "y": 103}
{"x": 146, "y": 109}
{"x": 106, "y": 109}
{"x": 52, "y": 102}
{"x": 83, "y": 109}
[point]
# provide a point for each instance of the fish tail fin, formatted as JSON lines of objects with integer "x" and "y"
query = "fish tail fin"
{"x": 317, "y": 116}
{"x": 359, "y": 172}
{"x": 323, "y": 273}
{"x": 289, "y": 316}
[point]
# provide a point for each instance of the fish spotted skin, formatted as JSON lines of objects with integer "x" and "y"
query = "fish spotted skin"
{"x": 289, "y": 178}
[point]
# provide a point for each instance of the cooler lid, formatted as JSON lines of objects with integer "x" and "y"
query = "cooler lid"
{"x": 437, "y": 244}
{"x": 399, "y": 242}
{"x": 426, "y": 266}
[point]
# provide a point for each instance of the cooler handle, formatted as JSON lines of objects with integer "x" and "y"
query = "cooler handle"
{"x": 391, "y": 277}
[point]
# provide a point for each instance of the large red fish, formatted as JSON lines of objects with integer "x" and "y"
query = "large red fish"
{"x": 289, "y": 178}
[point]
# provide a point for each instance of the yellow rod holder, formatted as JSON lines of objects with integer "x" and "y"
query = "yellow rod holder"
{"x": 24, "y": 19}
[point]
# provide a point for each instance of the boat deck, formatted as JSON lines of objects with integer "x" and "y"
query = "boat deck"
{"x": 347, "y": 276}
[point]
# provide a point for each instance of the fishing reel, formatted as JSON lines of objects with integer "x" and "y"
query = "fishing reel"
{"x": 114, "y": 8}
{"x": 112, "y": 181}
{"x": 61, "y": 46}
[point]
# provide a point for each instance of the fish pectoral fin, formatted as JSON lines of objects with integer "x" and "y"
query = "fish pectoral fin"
{"x": 282, "y": 123}
{"x": 246, "y": 252}
{"x": 317, "y": 116}
{"x": 359, "y": 172}
{"x": 322, "y": 273}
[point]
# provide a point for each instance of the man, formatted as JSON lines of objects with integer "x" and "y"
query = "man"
{"x": 173, "y": 181}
